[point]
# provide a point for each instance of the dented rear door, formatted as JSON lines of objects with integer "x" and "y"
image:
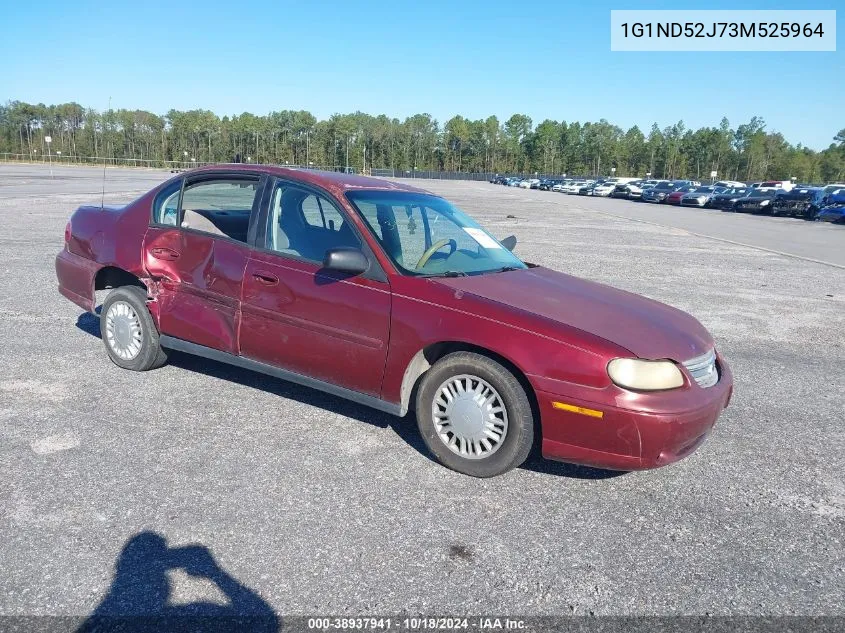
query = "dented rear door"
{"x": 197, "y": 281}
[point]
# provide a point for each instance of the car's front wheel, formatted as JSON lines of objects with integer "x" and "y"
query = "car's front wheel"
{"x": 128, "y": 330}
{"x": 474, "y": 415}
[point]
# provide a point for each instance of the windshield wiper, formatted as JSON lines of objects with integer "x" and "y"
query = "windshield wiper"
{"x": 448, "y": 273}
{"x": 506, "y": 269}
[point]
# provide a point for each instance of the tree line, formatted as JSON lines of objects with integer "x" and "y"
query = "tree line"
{"x": 362, "y": 141}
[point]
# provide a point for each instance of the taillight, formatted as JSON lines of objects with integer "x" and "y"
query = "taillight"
{"x": 67, "y": 232}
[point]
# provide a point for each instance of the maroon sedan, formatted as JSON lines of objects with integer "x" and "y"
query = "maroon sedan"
{"x": 390, "y": 296}
{"x": 675, "y": 196}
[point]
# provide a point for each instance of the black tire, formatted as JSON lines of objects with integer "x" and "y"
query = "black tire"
{"x": 516, "y": 446}
{"x": 151, "y": 353}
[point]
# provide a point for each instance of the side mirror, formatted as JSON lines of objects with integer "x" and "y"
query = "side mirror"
{"x": 509, "y": 242}
{"x": 346, "y": 260}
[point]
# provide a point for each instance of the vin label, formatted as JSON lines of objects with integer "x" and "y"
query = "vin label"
{"x": 681, "y": 30}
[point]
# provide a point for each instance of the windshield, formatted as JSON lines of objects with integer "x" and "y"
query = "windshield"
{"x": 766, "y": 193}
{"x": 426, "y": 235}
{"x": 704, "y": 190}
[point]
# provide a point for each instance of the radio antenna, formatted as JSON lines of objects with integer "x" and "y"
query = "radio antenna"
{"x": 103, "y": 197}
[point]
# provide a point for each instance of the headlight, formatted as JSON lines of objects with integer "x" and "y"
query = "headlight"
{"x": 764, "y": 203}
{"x": 645, "y": 375}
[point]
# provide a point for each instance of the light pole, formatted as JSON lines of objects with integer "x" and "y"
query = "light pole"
{"x": 347, "y": 153}
{"x": 48, "y": 140}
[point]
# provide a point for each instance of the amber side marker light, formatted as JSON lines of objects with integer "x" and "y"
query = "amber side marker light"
{"x": 582, "y": 410}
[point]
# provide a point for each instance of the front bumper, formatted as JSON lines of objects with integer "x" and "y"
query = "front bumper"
{"x": 627, "y": 439}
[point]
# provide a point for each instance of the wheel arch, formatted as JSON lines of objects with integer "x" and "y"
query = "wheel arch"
{"x": 114, "y": 277}
{"x": 430, "y": 354}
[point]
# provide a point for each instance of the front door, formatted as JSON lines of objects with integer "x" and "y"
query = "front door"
{"x": 197, "y": 251}
{"x": 307, "y": 320}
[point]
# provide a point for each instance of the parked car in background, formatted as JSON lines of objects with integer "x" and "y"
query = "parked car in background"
{"x": 758, "y": 201}
{"x": 730, "y": 184}
{"x": 499, "y": 180}
{"x": 573, "y": 187}
{"x": 534, "y": 183}
{"x": 785, "y": 185}
{"x": 800, "y": 202}
{"x": 833, "y": 188}
{"x": 318, "y": 278}
{"x": 604, "y": 189}
{"x": 587, "y": 189}
{"x": 700, "y": 196}
{"x": 524, "y": 184}
{"x": 834, "y": 209}
{"x": 629, "y": 189}
{"x": 622, "y": 180}
{"x": 514, "y": 182}
{"x": 635, "y": 189}
{"x": 658, "y": 192}
{"x": 726, "y": 199}
{"x": 680, "y": 192}
{"x": 546, "y": 184}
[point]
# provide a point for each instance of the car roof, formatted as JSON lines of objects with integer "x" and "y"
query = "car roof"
{"x": 335, "y": 182}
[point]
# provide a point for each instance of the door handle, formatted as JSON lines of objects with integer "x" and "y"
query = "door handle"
{"x": 167, "y": 254}
{"x": 266, "y": 279}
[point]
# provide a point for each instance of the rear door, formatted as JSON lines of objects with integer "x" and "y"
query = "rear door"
{"x": 197, "y": 249}
{"x": 299, "y": 317}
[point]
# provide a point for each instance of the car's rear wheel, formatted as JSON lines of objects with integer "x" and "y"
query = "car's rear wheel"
{"x": 128, "y": 330}
{"x": 474, "y": 415}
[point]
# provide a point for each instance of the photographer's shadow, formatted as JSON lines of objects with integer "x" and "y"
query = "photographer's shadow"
{"x": 140, "y": 597}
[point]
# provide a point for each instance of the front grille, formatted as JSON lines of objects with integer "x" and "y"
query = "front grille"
{"x": 703, "y": 369}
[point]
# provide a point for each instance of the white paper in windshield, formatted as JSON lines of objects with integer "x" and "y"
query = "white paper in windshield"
{"x": 482, "y": 238}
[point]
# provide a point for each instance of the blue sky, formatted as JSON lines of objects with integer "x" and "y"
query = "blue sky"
{"x": 544, "y": 59}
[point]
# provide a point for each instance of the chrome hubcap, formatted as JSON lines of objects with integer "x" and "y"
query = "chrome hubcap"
{"x": 469, "y": 416}
{"x": 123, "y": 330}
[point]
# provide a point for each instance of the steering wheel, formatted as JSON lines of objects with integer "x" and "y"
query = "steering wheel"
{"x": 431, "y": 250}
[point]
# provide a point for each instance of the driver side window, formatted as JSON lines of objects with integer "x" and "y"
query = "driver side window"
{"x": 305, "y": 225}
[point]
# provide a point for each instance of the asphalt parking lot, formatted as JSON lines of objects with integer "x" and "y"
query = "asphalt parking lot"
{"x": 319, "y": 506}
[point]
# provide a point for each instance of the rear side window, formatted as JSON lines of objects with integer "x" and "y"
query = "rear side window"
{"x": 166, "y": 205}
{"x": 219, "y": 207}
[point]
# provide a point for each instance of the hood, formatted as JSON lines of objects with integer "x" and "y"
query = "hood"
{"x": 647, "y": 328}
